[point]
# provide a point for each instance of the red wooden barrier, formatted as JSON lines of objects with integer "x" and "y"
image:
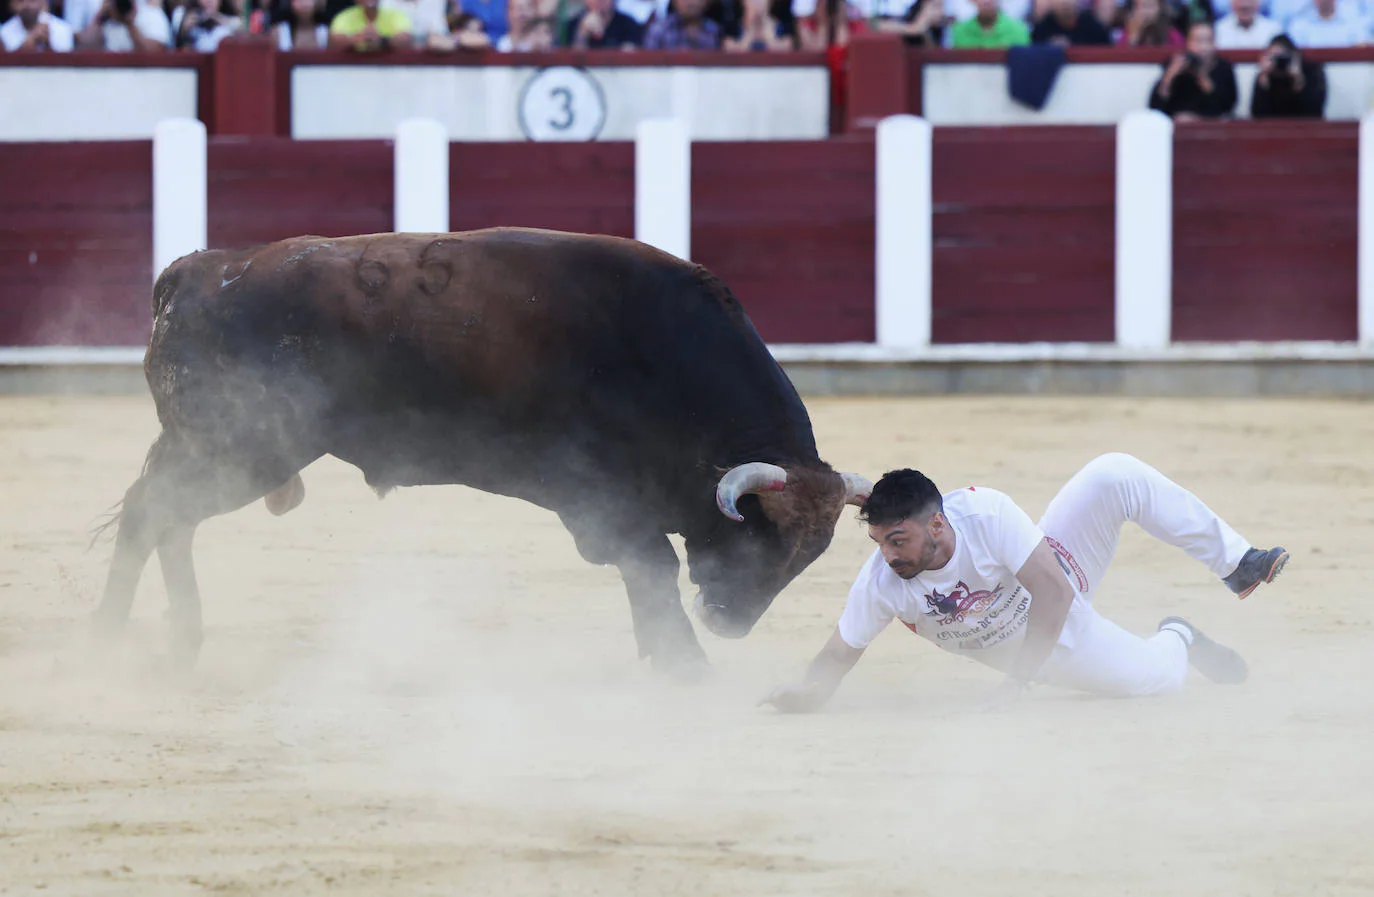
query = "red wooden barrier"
{"x": 1024, "y": 234}
{"x": 76, "y": 251}
{"x": 1265, "y": 231}
{"x": 1264, "y": 234}
{"x": 790, "y": 227}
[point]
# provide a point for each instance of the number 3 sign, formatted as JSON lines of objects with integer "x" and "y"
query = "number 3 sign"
{"x": 562, "y": 103}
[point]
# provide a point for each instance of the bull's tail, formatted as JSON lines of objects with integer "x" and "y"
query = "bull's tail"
{"x": 110, "y": 519}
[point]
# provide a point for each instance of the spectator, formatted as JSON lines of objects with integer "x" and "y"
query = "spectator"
{"x": 122, "y": 26}
{"x": 300, "y": 25}
{"x": 1196, "y": 83}
{"x": 200, "y": 28}
{"x": 495, "y": 16}
{"x": 643, "y": 11}
{"x": 601, "y": 26}
{"x": 1147, "y": 25}
{"x": 466, "y": 31}
{"x": 1322, "y": 24}
{"x": 1287, "y": 85}
{"x": 1067, "y": 23}
{"x": 529, "y": 32}
{"x": 369, "y": 28}
{"x": 923, "y": 24}
{"x": 1243, "y": 28}
{"x": 759, "y": 31}
{"x": 990, "y": 28}
{"x": 427, "y": 18}
{"x": 33, "y": 29}
{"x": 685, "y": 27}
{"x": 823, "y": 24}
{"x": 1188, "y": 12}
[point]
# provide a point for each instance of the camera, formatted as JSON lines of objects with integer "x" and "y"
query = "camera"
{"x": 1282, "y": 60}
{"x": 123, "y": 8}
{"x": 1194, "y": 61}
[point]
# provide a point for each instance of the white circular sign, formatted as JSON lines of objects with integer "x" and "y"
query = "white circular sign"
{"x": 562, "y": 102}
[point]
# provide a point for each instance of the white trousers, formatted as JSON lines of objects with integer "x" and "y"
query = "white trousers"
{"x": 1083, "y": 524}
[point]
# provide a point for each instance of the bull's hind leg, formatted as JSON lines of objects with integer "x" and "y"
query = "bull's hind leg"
{"x": 180, "y": 487}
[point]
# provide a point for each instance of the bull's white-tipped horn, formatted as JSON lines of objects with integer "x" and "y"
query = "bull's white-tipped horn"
{"x": 857, "y": 489}
{"x": 756, "y": 476}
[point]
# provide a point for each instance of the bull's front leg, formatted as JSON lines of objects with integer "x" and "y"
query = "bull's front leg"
{"x": 662, "y": 630}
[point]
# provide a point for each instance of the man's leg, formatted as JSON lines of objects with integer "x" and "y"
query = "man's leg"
{"x": 1083, "y": 523}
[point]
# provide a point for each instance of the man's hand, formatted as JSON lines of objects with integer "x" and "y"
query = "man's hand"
{"x": 802, "y": 697}
{"x": 1007, "y": 693}
{"x": 822, "y": 678}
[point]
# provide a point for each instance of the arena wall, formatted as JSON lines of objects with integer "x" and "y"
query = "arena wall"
{"x": 1264, "y": 245}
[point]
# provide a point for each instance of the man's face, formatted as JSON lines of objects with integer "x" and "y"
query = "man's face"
{"x": 1245, "y": 10}
{"x": 1200, "y": 40}
{"x": 27, "y": 10}
{"x": 691, "y": 9}
{"x": 988, "y": 9}
{"x": 1325, "y": 7}
{"x": 600, "y": 7}
{"x": 1066, "y": 8}
{"x": 909, "y": 546}
{"x": 369, "y": 5}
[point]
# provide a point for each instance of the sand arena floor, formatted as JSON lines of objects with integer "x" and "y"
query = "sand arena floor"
{"x": 432, "y": 693}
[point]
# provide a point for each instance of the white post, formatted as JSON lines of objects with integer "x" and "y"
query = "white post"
{"x": 1365, "y": 257}
{"x": 179, "y": 191}
{"x": 663, "y": 186}
{"x": 1144, "y": 230}
{"x": 902, "y": 239}
{"x": 420, "y": 177}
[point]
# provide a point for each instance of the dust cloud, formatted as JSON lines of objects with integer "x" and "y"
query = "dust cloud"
{"x": 433, "y": 693}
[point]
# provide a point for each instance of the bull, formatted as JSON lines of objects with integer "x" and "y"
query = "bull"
{"x": 618, "y": 386}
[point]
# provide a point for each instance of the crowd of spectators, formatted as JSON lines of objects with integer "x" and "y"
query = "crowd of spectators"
{"x": 740, "y": 25}
{"x": 1196, "y": 82}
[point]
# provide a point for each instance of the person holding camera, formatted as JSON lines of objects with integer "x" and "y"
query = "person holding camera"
{"x": 125, "y": 26}
{"x": 1287, "y": 86}
{"x": 200, "y": 27}
{"x": 1197, "y": 83}
{"x": 33, "y": 29}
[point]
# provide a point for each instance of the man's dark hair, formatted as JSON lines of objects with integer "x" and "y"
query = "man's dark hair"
{"x": 1284, "y": 41}
{"x": 899, "y": 495}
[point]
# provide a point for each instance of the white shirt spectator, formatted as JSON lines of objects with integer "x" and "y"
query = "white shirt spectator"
{"x": 204, "y": 40}
{"x": 1232, "y": 35}
{"x": 284, "y": 39}
{"x": 426, "y": 16}
{"x": 60, "y": 39}
{"x": 78, "y": 13}
{"x": 150, "y": 21}
{"x": 1308, "y": 29}
{"x": 1286, "y": 12}
{"x": 642, "y": 10}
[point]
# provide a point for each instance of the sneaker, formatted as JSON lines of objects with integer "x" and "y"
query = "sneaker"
{"x": 1212, "y": 659}
{"x": 1258, "y": 565}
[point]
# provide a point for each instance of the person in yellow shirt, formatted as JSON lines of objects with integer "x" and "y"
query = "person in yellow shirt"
{"x": 368, "y": 27}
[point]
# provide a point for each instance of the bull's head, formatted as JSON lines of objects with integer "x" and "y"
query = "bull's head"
{"x": 766, "y": 539}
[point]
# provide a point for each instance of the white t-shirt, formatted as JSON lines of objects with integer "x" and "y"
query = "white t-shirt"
{"x": 1310, "y": 30}
{"x": 1232, "y": 35}
{"x": 150, "y": 21}
{"x": 972, "y": 603}
{"x": 60, "y": 40}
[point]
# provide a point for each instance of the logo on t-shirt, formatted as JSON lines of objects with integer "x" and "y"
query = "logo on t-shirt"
{"x": 960, "y": 603}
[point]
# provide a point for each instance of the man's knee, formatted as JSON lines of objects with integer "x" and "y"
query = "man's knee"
{"x": 1114, "y": 466}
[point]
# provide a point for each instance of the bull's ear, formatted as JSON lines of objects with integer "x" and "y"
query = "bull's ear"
{"x": 857, "y": 489}
{"x": 753, "y": 477}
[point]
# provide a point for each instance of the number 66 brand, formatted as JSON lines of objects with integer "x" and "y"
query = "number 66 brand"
{"x": 562, "y": 103}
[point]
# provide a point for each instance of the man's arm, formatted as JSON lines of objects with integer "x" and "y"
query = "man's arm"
{"x": 1052, "y": 597}
{"x": 822, "y": 678}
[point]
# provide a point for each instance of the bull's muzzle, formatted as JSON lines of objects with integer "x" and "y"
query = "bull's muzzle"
{"x": 717, "y": 619}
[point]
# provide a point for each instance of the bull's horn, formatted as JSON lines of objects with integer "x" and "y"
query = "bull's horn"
{"x": 756, "y": 476}
{"x": 857, "y": 489}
